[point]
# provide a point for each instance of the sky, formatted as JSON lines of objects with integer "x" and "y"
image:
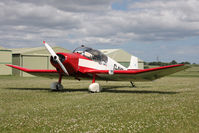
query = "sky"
{"x": 149, "y": 29}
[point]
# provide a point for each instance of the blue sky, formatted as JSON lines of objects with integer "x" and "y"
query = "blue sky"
{"x": 122, "y": 5}
{"x": 146, "y": 28}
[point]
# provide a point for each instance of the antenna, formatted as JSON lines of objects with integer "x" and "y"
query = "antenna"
{"x": 84, "y": 42}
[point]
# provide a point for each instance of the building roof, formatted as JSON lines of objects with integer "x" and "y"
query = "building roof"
{"x": 118, "y": 55}
{"x": 4, "y": 49}
{"x": 37, "y": 50}
{"x": 108, "y": 51}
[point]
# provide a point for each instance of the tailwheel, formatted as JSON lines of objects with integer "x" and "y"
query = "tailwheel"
{"x": 56, "y": 86}
{"x": 132, "y": 84}
{"x": 94, "y": 87}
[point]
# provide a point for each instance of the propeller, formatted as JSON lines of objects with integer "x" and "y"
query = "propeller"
{"x": 55, "y": 57}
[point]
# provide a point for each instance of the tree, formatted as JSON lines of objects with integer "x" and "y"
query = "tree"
{"x": 186, "y": 62}
{"x": 173, "y": 62}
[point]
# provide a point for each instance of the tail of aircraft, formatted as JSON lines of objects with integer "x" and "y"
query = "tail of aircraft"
{"x": 133, "y": 63}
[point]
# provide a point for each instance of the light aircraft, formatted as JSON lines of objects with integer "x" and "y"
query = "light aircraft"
{"x": 88, "y": 63}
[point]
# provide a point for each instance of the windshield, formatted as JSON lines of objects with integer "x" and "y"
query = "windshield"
{"x": 92, "y": 54}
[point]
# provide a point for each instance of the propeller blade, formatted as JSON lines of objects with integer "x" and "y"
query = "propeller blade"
{"x": 62, "y": 66}
{"x": 50, "y": 50}
{"x": 55, "y": 57}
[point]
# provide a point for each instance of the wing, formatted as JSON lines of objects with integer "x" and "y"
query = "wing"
{"x": 139, "y": 74}
{"x": 42, "y": 73}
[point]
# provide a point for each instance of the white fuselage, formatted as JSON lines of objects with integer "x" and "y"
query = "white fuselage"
{"x": 110, "y": 65}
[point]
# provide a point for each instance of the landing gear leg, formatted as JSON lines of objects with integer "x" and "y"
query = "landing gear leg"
{"x": 57, "y": 86}
{"x": 132, "y": 84}
{"x": 94, "y": 87}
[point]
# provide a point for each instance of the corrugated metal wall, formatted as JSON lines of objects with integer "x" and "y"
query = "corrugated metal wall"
{"x": 5, "y": 58}
{"x": 31, "y": 62}
{"x": 34, "y": 62}
{"x": 141, "y": 65}
{"x": 16, "y": 61}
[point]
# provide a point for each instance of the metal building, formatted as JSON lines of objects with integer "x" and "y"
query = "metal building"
{"x": 5, "y": 58}
{"x": 33, "y": 58}
{"x": 122, "y": 57}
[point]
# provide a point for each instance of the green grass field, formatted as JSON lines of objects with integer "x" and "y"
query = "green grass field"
{"x": 170, "y": 104}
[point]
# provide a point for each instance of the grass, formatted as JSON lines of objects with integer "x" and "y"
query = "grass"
{"x": 170, "y": 104}
{"x": 191, "y": 72}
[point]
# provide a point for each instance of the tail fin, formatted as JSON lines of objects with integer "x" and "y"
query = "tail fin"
{"x": 133, "y": 63}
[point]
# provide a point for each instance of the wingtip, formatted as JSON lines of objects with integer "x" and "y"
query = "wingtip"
{"x": 8, "y": 65}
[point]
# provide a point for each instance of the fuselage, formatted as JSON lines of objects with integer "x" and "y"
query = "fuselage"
{"x": 85, "y": 58}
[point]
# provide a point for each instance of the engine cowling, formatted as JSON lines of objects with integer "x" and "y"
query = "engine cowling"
{"x": 69, "y": 60}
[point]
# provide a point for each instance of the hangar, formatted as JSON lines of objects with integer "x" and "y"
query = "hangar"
{"x": 122, "y": 57}
{"x": 33, "y": 58}
{"x": 5, "y": 58}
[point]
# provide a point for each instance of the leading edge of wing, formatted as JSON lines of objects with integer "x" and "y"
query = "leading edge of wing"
{"x": 138, "y": 71}
{"x": 32, "y": 70}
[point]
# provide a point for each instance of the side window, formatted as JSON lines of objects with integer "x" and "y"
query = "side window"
{"x": 88, "y": 55}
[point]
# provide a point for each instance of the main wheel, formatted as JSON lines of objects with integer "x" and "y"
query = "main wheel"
{"x": 56, "y": 86}
{"x": 94, "y": 87}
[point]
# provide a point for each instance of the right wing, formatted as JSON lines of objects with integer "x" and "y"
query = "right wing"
{"x": 138, "y": 74}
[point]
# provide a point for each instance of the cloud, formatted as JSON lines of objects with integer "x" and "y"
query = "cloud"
{"x": 70, "y": 5}
{"x": 27, "y": 22}
{"x": 168, "y": 19}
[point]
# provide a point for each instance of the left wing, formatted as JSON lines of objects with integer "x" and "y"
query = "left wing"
{"x": 138, "y": 74}
{"x": 42, "y": 73}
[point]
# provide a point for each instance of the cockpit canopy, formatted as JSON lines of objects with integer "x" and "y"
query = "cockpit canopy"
{"x": 92, "y": 54}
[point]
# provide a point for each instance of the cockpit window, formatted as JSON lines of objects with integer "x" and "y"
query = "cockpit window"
{"x": 92, "y": 54}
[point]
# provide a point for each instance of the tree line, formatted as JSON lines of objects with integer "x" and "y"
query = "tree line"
{"x": 159, "y": 63}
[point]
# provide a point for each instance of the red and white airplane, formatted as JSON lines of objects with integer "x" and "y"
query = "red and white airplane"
{"x": 88, "y": 63}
